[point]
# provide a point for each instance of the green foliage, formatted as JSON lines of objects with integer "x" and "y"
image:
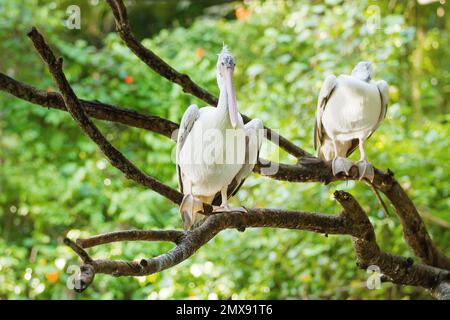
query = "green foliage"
{"x": 54, "y": 180}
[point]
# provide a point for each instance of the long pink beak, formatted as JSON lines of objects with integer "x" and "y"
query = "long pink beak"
{"x": 232, "y": 103}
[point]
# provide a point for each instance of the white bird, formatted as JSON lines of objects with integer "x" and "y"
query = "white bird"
{"x": 215, "y": 150}
{"x": 349, "y": 110}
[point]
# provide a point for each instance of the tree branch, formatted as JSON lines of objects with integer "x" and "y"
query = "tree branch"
{"x": 94, "y": 109}
{"x": 151, "y": 59}
{"x": 189, "y": 242}
{"x": 353, "y": 221}
{"x": 184, "y": 81}
{"x": 398, "y": 269}
{"x": 414, "y": 229}
{"x": 73, "y": 105}
{"x": 78, "y": 250}
{"x": 132, "y": 235}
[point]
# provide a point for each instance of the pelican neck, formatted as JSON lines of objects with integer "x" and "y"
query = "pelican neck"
{"x": 222, "y": 103}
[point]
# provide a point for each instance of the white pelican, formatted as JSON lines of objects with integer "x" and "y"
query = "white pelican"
{"x": 349, "y": 110}
{"x": 206, "y": 139}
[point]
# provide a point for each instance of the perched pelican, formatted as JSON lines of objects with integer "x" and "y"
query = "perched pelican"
{"x": 349, "y": 110}
{"x": 206, "y": 139}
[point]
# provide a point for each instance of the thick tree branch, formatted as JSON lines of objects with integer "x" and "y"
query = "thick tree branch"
{"x": 353, "y": 221}
{"x": 398, "y": 269}
{"x": 189, "y": 242}
{"x": 414, "y": 229}
{"x": 184, "y": 81}
{"x": 94, "y": 109}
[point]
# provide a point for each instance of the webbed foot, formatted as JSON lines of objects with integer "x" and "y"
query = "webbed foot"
{"x": 188, "y": 209}
{"x": 341, "y": 164}
{"x": 225, "y": 208}
{"x": 365, "y": 170}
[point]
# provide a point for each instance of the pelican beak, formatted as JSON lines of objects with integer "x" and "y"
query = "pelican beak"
{"x": 232, "y": 104}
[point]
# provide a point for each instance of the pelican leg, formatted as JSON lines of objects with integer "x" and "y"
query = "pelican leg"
{"x": 340, "y": 164}
{"x": 364, "y": 167}
{"x": 224, "y": 206}
{"x": 189, "y": 208}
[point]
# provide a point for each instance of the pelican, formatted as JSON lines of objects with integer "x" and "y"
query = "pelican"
{"x": 349, "y": 110}
{"x": 205, "y": 139}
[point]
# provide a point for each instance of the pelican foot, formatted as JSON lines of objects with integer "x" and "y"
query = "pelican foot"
{"x": 187, "y": 220}
{"x": 365, "y": 170}
{"x": 229, "y": 209}
{"x": 188, "y": 209}
{"x": 341, "y": 164}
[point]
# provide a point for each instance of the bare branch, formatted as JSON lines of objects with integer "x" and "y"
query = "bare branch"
{"x": 132, "y": 235}
{"x": 414, "y": 229}
{"x": 190, "y": 241}
{"x": 94, "y": 109}
{"x": 399, "y": 269}
{"x": 78, "y": 250}
{"x": 74, "y": 107}
{"x": 352, "y": 221}
{"x": 151, "y": 59}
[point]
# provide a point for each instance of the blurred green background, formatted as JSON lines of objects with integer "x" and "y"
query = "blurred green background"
{"x": 54, "y": 181}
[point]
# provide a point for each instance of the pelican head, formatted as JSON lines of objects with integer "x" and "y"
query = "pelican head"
{"x": 363, "y": 71}
{"x": 225, "y": 70}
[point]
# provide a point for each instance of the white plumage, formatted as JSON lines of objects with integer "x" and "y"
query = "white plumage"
{"x": 349, "y": 110}
{"x": 215, "y": 150}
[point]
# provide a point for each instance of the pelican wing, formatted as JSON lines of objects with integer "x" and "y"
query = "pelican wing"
{"x": 253, "y": 141}
{"x": 187, "y": 122}
{"x": 383, "y": 88}
{"x": 325, "y": 93}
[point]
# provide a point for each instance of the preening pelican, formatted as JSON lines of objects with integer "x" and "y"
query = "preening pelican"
{"x": 349, "y": 110}
{"x": 215, "y": 150}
